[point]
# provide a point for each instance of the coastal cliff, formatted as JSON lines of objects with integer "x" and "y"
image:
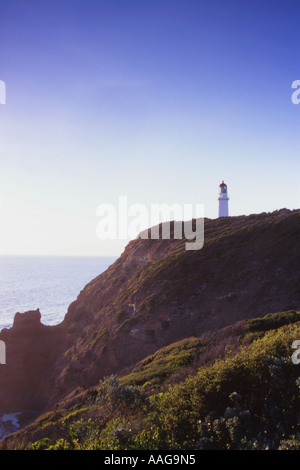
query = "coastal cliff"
{"x": 155, "y": 294}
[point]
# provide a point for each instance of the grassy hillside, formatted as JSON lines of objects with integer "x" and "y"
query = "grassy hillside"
{"x": 244, "y": 399}
{"x": 169, "y": 348}
{"x": 158, "y": 293}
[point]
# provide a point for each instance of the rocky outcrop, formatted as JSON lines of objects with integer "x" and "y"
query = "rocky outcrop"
{"x": 31, "y": 352}
{"x": 154, "y": 294}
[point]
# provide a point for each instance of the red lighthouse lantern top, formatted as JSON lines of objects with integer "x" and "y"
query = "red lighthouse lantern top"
{"x": 222, "y": 185}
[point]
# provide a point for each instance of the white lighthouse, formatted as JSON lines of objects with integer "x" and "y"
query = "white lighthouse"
{"x": 223, "y": 200}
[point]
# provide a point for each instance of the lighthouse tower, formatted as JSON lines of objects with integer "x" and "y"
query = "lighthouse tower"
{"x": 223, "y": 200}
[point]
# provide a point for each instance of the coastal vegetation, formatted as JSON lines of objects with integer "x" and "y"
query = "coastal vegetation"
{"x": 169, "y": 348}
{"x": 243, "y": 400}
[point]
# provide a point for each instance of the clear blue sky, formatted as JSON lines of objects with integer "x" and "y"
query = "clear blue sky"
{"x": 156, "y": 100}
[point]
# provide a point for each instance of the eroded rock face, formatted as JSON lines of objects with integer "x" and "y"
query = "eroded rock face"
{"x": 27, "y": 320}
{"x": 31, "y": 350}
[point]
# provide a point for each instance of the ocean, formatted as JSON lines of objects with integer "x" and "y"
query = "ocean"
{"x": 47, "y": 283}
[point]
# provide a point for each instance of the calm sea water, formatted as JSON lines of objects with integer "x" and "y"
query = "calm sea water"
{"x": 47, "y": 283}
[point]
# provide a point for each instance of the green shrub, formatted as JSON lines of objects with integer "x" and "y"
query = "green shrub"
{"x": 261, "y": 426}
{"x": 113, "y": 393}
{"x": 45, "y": 444}
{"x": 83, "y": 432}
{"x": 42, "y": 444}
{"x": 273, "y": 320}
{"x": 60, "y": 444}
{"x": 161, "y": 365}
{"x": 250, "y": 374}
